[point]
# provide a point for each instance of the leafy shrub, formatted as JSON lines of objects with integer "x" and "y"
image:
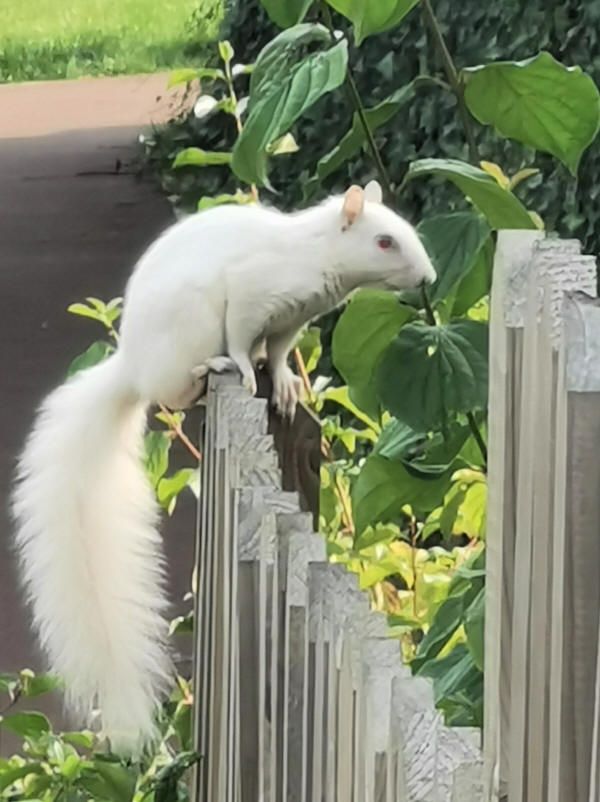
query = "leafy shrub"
{"x": 403, "y": 384}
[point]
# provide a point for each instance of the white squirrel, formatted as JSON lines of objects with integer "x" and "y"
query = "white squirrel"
{"x": 200, "y": 298}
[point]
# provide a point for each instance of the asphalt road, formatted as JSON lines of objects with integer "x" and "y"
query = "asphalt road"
{"x": 71, "y": 225}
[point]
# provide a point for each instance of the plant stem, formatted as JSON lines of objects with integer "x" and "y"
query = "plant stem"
{"x": 236, "y": 114}
{"x": 453, "y": 78}
{"x": 303, "y": 372}
{"x": 428, "y": 308}
{"x": 176, "y": 428}
{"x": 413, "y": 554}
{"x": 457, "y": 88}
{"x": 360, "y": 110}
{"x": 478, "y": 438}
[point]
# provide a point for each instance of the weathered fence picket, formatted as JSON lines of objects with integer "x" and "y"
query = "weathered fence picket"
{"x": 300, "y": 694}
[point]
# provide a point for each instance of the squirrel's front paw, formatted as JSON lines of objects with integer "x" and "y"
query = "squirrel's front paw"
{"x": 249, "y": 382}
{"x": 286, "y": 392}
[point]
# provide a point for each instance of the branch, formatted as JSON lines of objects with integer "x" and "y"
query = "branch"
{"x": 360, "y": 110}
{"x": 453, "y": 78}
{"x": 478, "y": 438}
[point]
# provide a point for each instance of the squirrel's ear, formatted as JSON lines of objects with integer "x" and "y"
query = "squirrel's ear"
{"x": 373, "y": 192}
{"x": 354, "y": 202}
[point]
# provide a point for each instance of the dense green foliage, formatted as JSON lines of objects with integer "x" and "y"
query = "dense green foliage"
{"x": 102, "y": 37}
{"x": 403, "y": 381}
{"x": 476, "y": 33}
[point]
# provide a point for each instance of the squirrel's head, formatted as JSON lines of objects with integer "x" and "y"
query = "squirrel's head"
{"x": 379, "y": 244}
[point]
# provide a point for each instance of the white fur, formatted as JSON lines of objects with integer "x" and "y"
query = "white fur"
{"x": 214, "y": 284}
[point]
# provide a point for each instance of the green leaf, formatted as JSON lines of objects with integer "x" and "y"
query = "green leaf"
{"x": 84, "y": 311}
{"x": 182, "y": 724}
{"x": 375, "y": 535}
{"x": 157, "y": 455}
{"x": 286, "y": 13}
{"x": 452, "y": 673}
{"x": 10, "y": 775}
{"x": 538, "y": 102}
{"x": 167, "y": 777}
{"x": 219, "y": 200}
{"x": 9, "y": 683}
{"x": 478, "y": 281}
{"x": 355, "y": 138}
{"x": 284, "y": 85}
{"x": 196, "y": 157}
{"x": 285, "y": 144}
{"x": 372, "y": 16}
{"x": 474, "y": 628}
{"x": 84, "y": 738}
{"x": 187, "y": 74}
{"x": 450, "y": 510}
{"x": 341, "y": 396}
{"x": 453, "y": 242}
{"x": 182, "y": 625}
{"x": 27, "y": 725}
{"x": 430, "y": 372}
{"x": 97, "y": 352}
{"x": 70, "y": 767}
{"x": 445, "y": 623}
{"x": 366, "y": 327}
{"x": 384, "y": 487}
{"x": 109, "y": 781}
{"x": 37, "y": 685}
{"x": 471, "y": 517}
{"x": 397, "y": 440}
{"x": 311, "y": 348}
{"x": 169, "y": 488}
{"x": 226, "y": 51}
{"x": 501, "y": 208}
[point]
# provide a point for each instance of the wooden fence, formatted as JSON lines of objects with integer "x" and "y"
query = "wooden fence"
{"x": 300, "y": 694}
{"x": 543, "y": 535}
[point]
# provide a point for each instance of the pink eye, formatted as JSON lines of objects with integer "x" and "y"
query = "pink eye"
{"x": 385, "y": 242}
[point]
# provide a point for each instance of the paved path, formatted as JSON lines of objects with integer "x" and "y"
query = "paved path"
{"x": 70, "y": 226}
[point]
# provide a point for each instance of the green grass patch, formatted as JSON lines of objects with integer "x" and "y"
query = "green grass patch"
{"x": 54, "y": 39}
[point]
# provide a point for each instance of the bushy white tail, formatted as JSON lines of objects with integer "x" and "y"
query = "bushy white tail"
{"x": 90, "y": 554}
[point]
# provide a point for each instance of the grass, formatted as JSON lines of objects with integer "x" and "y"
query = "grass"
{"x": 41, "y": 39}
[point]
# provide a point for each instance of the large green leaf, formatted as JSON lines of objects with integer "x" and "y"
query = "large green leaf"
{"x": 474, "y": 628}
{"x": 372, "y": 16}
{"x": 28, "y": 725}
{"x": 453, "y": 673}
{"x": 355, "y": 138}
{"x": 286, "y": 13}
{"x": 501, "y": 208}
{"x": 453, "y": 242}
{"x": 170, "y": 487}
{"x": 157, "y": 445}
{"x": 397, "y": 440}
{"x": 430, "y": 372}
{"x": 478, "y": 281}
{"x": 539, "y": 102}
{"x": 366, "y": 327}
{"x": 284, "y": 84}
{"x": 383, "y": 487}
{"x": 110, "y": 780}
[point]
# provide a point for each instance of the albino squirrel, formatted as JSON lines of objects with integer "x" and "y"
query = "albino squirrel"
{"x": 200, "y": 299}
